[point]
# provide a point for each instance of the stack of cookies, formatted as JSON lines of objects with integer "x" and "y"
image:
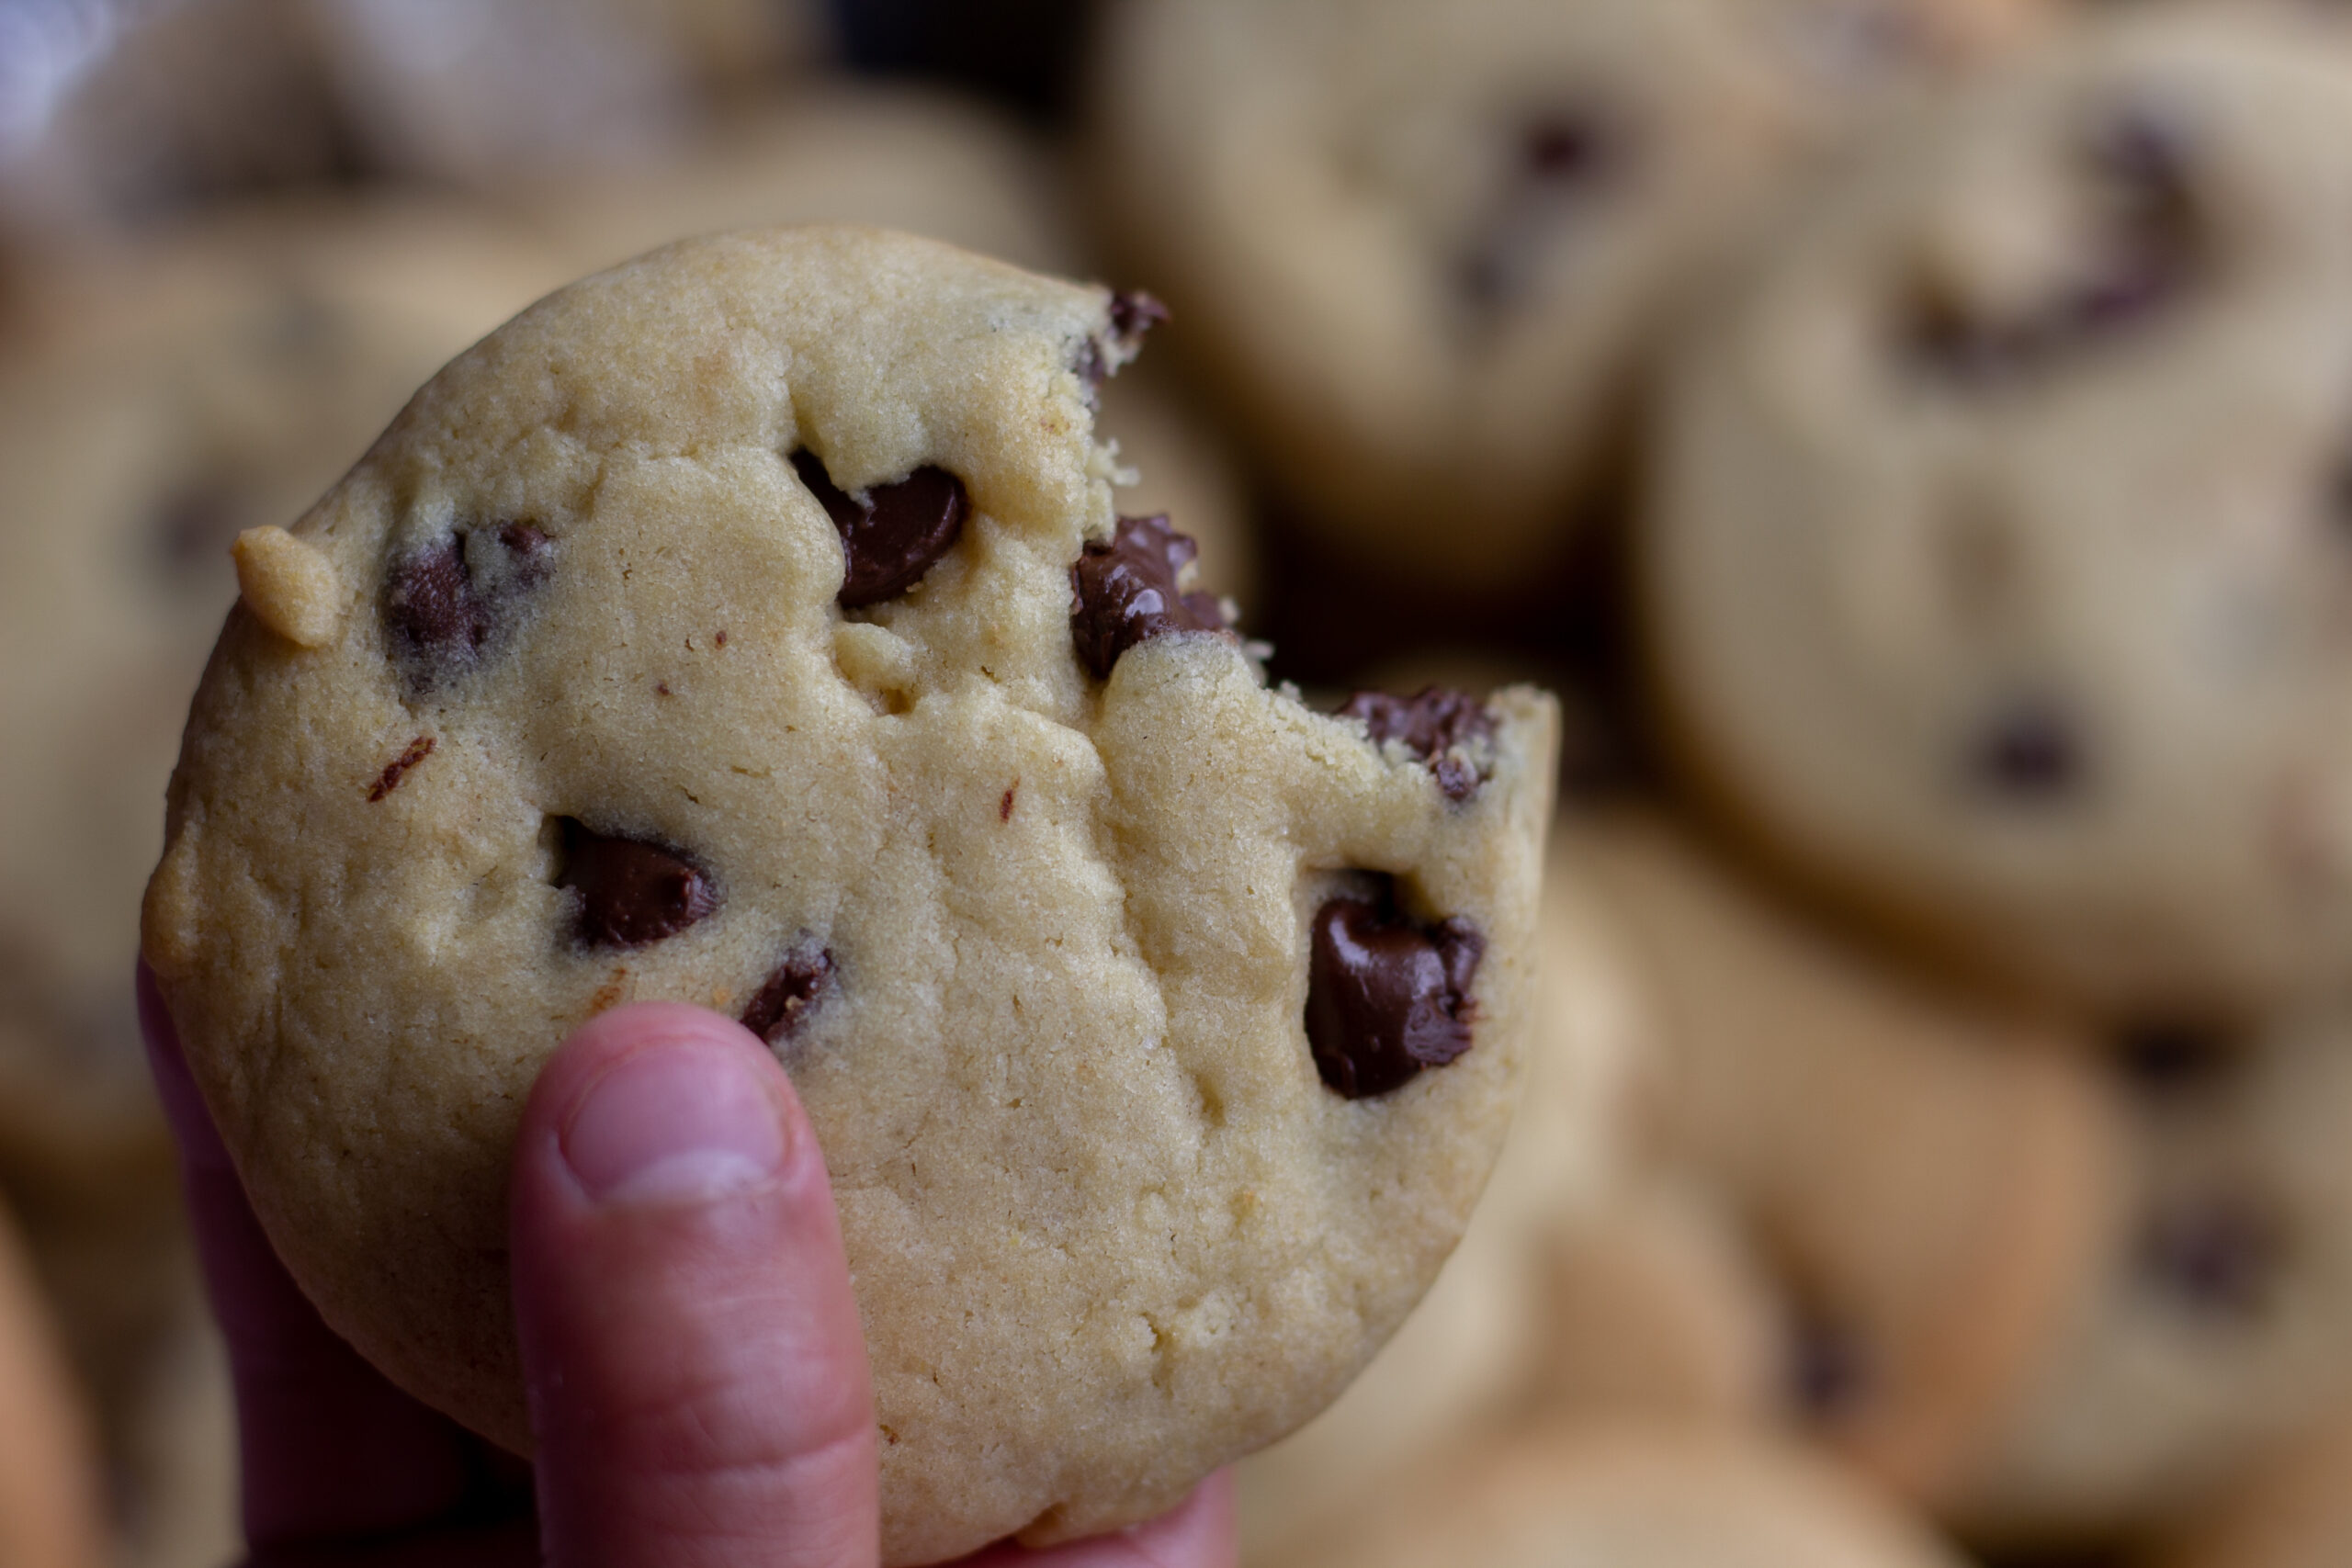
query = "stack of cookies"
{"x": 1914, "y": 436}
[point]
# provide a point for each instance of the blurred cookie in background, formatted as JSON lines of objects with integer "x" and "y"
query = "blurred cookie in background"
{"x": 49, "y": 1475}
{"x": 1422, "y": 249}
{"x": 1996, "y": 577}
{"x": 1471, "y": 1354}
{"x": 1921, "y": 1184}
{"x": 2215, "y": 1330}
{"x": 215, "y": 380}
{"x": 2293, "y": 1509}
{"x": 1627, "y": 1496}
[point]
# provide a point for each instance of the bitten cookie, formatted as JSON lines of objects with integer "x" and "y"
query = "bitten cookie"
{"x": 1923, "y": 1185}
{"x": 2215, "y": 1326}
{"x": 1629, "y": 1496}
{"x": 1996, "y": 579}
{"x": 750, "y": 626}
{"x": 1425, "y": 248}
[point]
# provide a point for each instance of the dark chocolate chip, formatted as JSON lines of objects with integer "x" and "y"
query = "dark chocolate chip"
{"x": 2150, "y": 252}
{"x": 2169, "y": 1057}
{"x": 1132, "y": 314}
{"x": 892, "y": 534}
{"x": 1828, "y": 1366}
{"x": 1387, "y": 996}
{"x": 2219, "y": 1254}
{"x": 630, "y": 892}
{"x": 443, "y": 605}
{"x": 790, "y": 993}
{"x": 2028, "y": 752}
{"x": 1440, "y": 725}
{"x": 1563, "y": 154}
{"x": 1125, "y": 592}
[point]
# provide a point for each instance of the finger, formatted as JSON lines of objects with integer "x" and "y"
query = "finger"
{"x": 328, "y": 1447}
{"x": 698, "y": 1380}
{"x": 1198, "y": 1534}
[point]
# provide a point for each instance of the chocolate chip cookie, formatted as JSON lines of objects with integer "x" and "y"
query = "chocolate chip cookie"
{"x": 1996, "y": 579}
{"x": 1921, "y": 1184}
{"x": 750, "y": 626}
{"x": 1425, "y": 249}
{"x": 2213, "y": 1327}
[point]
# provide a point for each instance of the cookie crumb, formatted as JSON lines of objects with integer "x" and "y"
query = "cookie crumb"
{"x": 289, "y": 585}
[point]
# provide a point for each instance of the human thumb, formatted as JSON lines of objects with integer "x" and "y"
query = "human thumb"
{"x": 697, "y": 1379}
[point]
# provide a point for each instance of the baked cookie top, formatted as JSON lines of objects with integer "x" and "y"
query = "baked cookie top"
{"x": 750, "y": 626}
{"x": 1426, "y": 248}
{"x": 1995, "y": 577}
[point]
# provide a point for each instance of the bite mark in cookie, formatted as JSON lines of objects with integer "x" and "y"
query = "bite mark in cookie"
{"x": 790, "y": 993}
{"x": 629, "y": 892}
{"x": 446, "y": 604}
{"x": 1386, "y": 997}
{"x": 1446, "y": 729}
{"x": 892, "y": 534}
{"x": 1129, "y": 590}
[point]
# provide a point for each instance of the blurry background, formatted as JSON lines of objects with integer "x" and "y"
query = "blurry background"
{"x": 1913, "y": 435}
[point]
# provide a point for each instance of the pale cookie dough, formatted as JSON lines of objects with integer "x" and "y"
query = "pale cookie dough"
{"x": 1627, "y": 1496}
{"x": 749, "y": 626}
{"x": 2214, "y": 1330}
{"x": 1922, "y": 1183}
{"x": 1996, "y": 579}
{"x": 1424, "y": 249}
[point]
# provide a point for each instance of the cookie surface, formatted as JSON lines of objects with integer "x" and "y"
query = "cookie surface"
{"x": 708, "y": 632}
{"x": 1996, "y": 580}
{"x": 1424, "y": 249}
{"x": 1626, "y": 1496}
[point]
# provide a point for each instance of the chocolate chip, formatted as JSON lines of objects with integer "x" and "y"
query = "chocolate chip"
{"x": 1564, "y": 154}
{"x": 891, "y": 534}
{"x": 1385, "y": 995}
{"x": 2027, "y": 752}
{"x": 2219, "y": 1254}
{"x": 444, "y": 606}
{"x": 790, "y": 993}
{"x": 2149, "y": 253}
{"x": 1439, "y": 726}
{"x": 1125, "y": 592}
{"x": 1828, "y": 1366}
{"x": 630, "y": 892}
{"x": 2169, "y": 1057}
{"x": 1132, "y": 314}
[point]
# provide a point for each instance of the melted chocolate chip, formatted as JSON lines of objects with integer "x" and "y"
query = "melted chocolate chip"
{"x": 1439, "y": 726}
{"x": 1125, "y": 592}
{"x": 630, "y": 892}
{"x": 891, "y": 534}
{"x": 2149, "y": 254}
{"x": 2028, "y": 752}
{"x": 444, "y": 606}
{"x": 790, "y": 993}
{"x": 2219, "y": 1254}
{"x": 1386, "y": 997}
